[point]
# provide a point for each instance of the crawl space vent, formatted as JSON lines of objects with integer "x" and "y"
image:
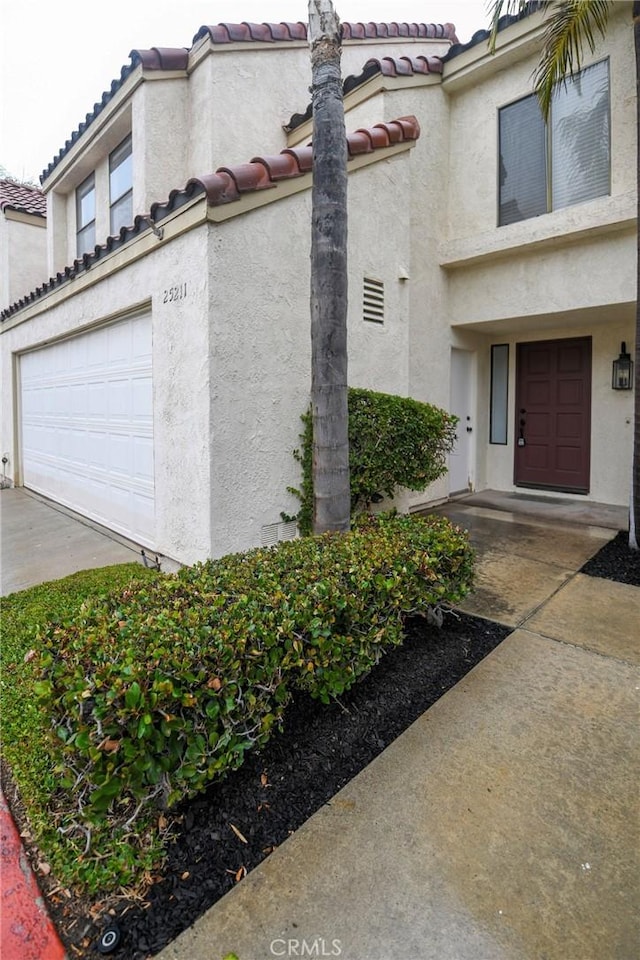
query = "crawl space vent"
{"x": 373, "y": 301}
{"x": 274, "y": 533}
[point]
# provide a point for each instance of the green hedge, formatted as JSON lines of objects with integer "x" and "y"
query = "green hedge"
{"x": 26, "y": 747}
{"x": 393, "y": 442}
{"x": 158, "y": 690}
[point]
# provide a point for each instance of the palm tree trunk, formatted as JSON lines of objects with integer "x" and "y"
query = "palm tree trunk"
{"x": 331, "y": 494}
{"x": 634, "y": 512}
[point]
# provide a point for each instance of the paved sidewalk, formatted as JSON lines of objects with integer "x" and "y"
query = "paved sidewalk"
{"x": 503, "y": 825}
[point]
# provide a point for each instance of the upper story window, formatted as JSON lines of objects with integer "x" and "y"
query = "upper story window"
{"x": 121, "y": 187}
{"x": 86, "y": 215}
{"x": 547, "y": 166}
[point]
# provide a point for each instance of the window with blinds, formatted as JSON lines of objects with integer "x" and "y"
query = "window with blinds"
{"x": 547, "y": 166}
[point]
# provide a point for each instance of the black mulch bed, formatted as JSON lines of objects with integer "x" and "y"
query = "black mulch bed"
{"x": 319, "y": 750}
{"x": 615, "y": 561}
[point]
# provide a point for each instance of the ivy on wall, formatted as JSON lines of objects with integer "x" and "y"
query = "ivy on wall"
{"x": 393, "y": 442}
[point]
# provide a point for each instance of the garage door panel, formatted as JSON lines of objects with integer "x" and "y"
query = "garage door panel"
{"x": 87, "y": 425}
{"x": 142, "y": 400}
{"x": 143, "y": 460}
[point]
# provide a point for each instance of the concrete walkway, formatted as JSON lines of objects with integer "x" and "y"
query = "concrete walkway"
{"x": 503, "y": 825}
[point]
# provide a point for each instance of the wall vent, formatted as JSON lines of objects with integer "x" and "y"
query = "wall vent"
{"x": 273, "y": 533}
{"x": 373, "y": 300}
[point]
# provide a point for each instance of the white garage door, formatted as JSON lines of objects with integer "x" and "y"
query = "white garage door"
{"x": 87, "y": 425}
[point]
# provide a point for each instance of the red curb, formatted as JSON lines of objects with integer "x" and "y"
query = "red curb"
{"x": 26, "y": 931}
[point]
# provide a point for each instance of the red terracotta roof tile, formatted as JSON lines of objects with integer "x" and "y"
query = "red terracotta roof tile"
{"x": 406, "y": 66}
{"x": 226, "y": 185}
{"x": 280, "y": 167}
{"x": 161, "y": 58}
{"x": 368, "y": 31}
{"x": 387, "y": 66}
{"x": 303, "y": 157}
{"x": 248, "y": 176}
{"x": 22, "y": 197}
{"x": 247, "y": 32}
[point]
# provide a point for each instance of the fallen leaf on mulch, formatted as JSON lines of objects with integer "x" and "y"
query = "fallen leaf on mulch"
{"x": 239, "y": 835}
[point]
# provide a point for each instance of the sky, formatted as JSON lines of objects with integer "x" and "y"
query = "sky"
{"x": 56, "y": 59}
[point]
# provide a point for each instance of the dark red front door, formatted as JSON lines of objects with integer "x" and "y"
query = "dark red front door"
{"x": 553, "y": 414}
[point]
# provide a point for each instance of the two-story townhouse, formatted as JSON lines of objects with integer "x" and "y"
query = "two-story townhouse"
{"x": 539, "y": 250}
{"x": 155, "y": 384}
{"x": 176, "y": 113}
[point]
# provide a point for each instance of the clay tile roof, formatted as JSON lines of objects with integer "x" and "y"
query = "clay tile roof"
{"x": 161, "y": 58}
{"x": 225, "y": 185}
{"x": 248, "y": 176}
{"x": 368, "y": 31}
{"x": 247, "y": 32}
{"x": 387, "y": 66}
{"x": 219, "y": 187}
{"x": 406, "y": 66}
{"x": 22, "y": 197}
{"x": 359, "y": 142}
{"x": 169, "y": 58}
{"x": 482, "y": 36}
{"x": 303, "y": 157}
{"x": 279, "y": 167}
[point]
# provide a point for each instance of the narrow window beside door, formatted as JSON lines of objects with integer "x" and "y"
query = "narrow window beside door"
{"x": 498, "y": 410}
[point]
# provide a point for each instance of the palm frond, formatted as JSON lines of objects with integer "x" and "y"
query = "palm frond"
{"x": 497, "y": 9}
{"x": 572, "y": 25}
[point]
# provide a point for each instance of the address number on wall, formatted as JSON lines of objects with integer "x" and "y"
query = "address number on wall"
{"x": 173, "y": 294}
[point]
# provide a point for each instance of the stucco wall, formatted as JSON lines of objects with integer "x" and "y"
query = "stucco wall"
{"x": 231, "y": 361}
{"x": 275, "y": 82}
{"x": 161, "y": 131}
{"x": 473, "y": 151}
{"x": 180, "y": 378}
{"x": 261, "y": 341}
{"x": 23, "y": 257}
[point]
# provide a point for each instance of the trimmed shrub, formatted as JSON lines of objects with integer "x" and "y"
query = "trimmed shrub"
{"x": 161, "y": 689}
{"x": 393, "y": 442}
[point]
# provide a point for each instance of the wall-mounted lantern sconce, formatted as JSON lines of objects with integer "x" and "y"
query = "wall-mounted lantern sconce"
{"x": 622, "y": 378}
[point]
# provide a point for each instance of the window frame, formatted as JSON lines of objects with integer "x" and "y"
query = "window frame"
{"x": 548, "y": 130}
{"x": 116, "y": 201}
{"x": 499, "y": 394}
{"x": 88, "y": 227}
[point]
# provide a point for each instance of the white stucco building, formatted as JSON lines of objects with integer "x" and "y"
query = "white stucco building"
{"x": 155, "y": 381}
{"x": 23, "y": 239}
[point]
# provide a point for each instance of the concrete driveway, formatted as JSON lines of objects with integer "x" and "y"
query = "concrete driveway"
{"x": 41, "y": 541}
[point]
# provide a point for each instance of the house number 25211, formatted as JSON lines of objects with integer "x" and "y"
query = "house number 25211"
{"x": 175, "y": 293}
